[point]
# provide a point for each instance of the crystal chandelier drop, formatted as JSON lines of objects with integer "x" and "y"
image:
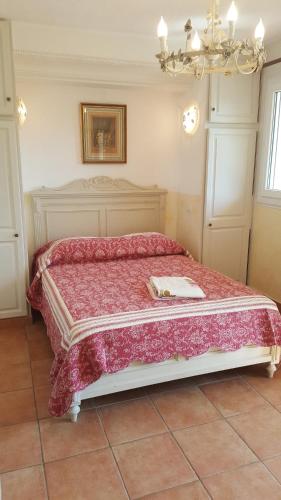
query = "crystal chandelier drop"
{"x": 213, "y": 51}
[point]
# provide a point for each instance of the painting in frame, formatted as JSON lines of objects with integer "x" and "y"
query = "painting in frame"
{"x": 104, "y": 133}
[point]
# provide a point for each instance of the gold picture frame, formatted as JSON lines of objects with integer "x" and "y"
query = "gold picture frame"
{"x": 104, "y": 133}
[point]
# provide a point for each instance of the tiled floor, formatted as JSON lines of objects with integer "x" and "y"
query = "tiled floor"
{"x": 216, "y": 436}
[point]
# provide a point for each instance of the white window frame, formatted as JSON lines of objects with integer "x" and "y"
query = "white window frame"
{"x": 271, "y": 83}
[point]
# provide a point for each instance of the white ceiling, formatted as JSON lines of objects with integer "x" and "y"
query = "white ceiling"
{"x": 138, "y": 17}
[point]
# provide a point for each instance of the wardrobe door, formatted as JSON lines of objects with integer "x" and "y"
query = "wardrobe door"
{"x": 12, "y": 253}
{"x": 7, "y": 94}
{"x": 234, "y": 99}
{"x": 228, "y": 200}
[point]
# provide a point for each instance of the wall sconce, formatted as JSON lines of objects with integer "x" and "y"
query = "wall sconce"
{"x": 21, "y": 110}
{"x": 190, "y": 119}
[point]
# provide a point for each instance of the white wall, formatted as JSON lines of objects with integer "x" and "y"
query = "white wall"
{"x": 273, "y": 50}
{"x": 51, "y": 149}
{"x": 192, "y": 171}
{"x": 193, "y": 164}
{"x": 51, "y": 144}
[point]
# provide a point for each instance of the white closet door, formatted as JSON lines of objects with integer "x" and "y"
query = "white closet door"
{"x": 12, "y": 255}
{"x": 228, "y": 200}
{"x": 7, "y": 97}
{"x": 234, "y": 99}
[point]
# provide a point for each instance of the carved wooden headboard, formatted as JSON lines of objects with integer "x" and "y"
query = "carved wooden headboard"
{"x": 99, "y": 206}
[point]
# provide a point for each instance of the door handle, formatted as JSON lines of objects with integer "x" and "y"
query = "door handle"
{"x": 16, "y": 235}
{"x": 210, "y": 224}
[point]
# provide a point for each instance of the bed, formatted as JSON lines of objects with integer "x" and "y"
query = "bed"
{"x": 98, "y": 241}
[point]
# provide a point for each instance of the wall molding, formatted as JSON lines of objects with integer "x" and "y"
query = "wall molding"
{"x": 94, "y": 71}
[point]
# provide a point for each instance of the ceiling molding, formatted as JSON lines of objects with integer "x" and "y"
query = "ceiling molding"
{"x": 81, "y": 58}
{"x": 94, "y": 71}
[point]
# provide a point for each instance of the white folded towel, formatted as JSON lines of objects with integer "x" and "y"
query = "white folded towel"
{"x": 170, "y": 286}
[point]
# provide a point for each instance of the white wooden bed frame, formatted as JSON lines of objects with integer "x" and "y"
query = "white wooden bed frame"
{"x": 102, "y": 206}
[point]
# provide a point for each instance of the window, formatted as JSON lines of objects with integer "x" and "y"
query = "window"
{"x": 273, "y": 179}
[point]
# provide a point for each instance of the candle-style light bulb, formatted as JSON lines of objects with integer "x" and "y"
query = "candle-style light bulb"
{"x": 259, "y": 31}
{"x": 196, "y": 42}
{"x": 232, "y": 17}
{"x": 232, "y": 14}
{"x": 162, "y": 29}
{"x": 162, "y": 33}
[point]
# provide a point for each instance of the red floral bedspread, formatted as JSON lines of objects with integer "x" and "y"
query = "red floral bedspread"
{"x": 100, "y": 316}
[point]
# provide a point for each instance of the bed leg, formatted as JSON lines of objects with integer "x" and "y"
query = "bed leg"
{"x": 75, "y": 407}
{"x": 271, "y": 369}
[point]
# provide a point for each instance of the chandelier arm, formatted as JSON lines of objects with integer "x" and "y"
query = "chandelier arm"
{"x": 240, "y": 70}
{"x": 191, "y": 69}
{"x": 195, "y": 67}
{"x": 173, "y": 71}
{"x": 190, "y": 54}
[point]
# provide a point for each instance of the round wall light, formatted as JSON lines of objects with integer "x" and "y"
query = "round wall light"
{"x": 190, "y": 119}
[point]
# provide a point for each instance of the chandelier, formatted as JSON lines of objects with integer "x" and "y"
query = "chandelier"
{"x": 214, "y": 51}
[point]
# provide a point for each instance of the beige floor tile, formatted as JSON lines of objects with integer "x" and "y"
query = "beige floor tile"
{"x": 62, "y": 438}
{"x": 232, "y": 397}
{"x": 91, "y": 476}
{"x": 261, "y": 429}
{"x": 13, "y": 347}
{"x": 213, "y": 448}
{"x": 42, "y": 395}
{"x": 19, "y": 446}
{"x": 40, "y": 349}
{"x": 193, "y": 491}
{"x": 185, "y": 407}
{"x": 41, "y": 371}
{"x": 269, "y": 388}
{"x": 17, "y": 407}
{"x": 152, "y": 464}
{"x": 24, "y": 484}
{"x": 252, "y": 482}
{"x": 274, "y": 465}
{"x": 14, "y": 377}
{"x": 131, "y": 420}
{"x": 13, "y": 323}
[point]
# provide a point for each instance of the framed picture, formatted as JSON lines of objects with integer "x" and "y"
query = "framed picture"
{"x": 104, "y": 130}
